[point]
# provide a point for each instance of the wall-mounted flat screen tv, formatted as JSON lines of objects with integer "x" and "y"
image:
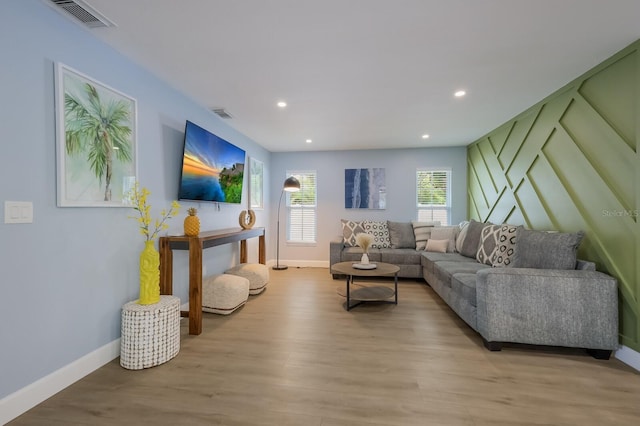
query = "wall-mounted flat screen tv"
{"x": 212, "y": 168}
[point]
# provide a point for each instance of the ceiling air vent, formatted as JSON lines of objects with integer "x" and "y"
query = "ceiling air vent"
{"x": 82, "y": 12}
{"x": 222, "y": 113}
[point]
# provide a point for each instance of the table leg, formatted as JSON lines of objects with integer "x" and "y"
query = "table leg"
{"x": 349, "y": 278}
{"x": 395, "y": 285}
{"x": 166, "y": 267}
{"x": 262, "y": 256}
{"x": 195, "y": 287}
{"x": 243, "y": 251}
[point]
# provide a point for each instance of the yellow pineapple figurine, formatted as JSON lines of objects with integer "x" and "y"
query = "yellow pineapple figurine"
{"x": 192, "y": 223}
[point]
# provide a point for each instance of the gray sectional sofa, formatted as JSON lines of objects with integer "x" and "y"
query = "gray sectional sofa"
{"x": 510, "y": 284}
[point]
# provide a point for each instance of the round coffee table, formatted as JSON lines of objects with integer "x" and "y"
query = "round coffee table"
{"x": 370, "y": 293}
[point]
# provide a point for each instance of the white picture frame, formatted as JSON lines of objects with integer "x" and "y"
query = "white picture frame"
{"x": 96, "y": 162}
{"x": 256, "y": 183}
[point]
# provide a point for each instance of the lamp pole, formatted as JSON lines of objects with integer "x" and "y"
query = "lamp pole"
{"x": 278, "y": 267}
{"x": 291, "y": 184}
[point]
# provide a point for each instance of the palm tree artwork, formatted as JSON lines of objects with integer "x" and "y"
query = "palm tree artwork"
{"x": 98, "y": 135}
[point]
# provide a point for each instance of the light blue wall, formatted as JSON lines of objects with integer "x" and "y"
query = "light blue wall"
{"x": 400, "y": 169}
{"x": 65, "y": 277}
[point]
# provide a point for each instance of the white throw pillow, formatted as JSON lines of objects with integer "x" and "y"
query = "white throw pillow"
{"x": 439, "y": 246}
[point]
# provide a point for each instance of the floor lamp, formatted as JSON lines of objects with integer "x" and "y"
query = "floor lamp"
{"x": 291, "y": 184}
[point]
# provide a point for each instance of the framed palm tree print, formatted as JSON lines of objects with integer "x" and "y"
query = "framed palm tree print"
{"x": 96, "y": 142}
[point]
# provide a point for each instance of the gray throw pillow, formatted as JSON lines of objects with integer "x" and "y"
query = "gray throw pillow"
{"x": 448, "y": 233}
{"x": 472, "y": 240}
{"x": 546, "y": 250}
{"x": 401, "y": 234}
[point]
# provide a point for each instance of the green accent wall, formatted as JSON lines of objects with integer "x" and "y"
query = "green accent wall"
{"x": 571, "y": 163}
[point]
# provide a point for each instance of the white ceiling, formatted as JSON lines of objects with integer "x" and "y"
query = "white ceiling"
{"x": 362, "y": 74}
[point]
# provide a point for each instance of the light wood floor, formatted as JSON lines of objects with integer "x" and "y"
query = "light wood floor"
{"x": 294, "y": 356}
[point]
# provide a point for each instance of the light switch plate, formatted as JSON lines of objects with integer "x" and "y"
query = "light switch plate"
{"x": 18, "y": 212}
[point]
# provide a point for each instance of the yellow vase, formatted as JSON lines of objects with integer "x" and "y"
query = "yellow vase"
{"x": 149, "y": 274}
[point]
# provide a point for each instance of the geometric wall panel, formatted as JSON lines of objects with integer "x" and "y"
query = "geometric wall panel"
{"x": 571, "y": 163}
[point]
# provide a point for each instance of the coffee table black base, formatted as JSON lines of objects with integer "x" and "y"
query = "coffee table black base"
{"x": 373, "y": 293}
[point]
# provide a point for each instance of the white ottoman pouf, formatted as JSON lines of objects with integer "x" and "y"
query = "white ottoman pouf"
{"x": 223, "y": 294}
{"x": 150, "y": 333}
{"x": 256, "y": 273}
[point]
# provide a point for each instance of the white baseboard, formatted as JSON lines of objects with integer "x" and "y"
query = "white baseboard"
{"x": 31, "y": 395}
{"x": 629, "y": 357}
{"x": 301, "y": 263}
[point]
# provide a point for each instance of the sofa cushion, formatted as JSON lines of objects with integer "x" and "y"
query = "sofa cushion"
{"x": 401, "y": 235}
{"x": 546, "y": 250}
{"x": 380, "y": 232}
{"x": 439, "y": 257}
{"x": 448, "y": 233}
{"x": 439, "y": 246}
{"x": 472, "y": 239}
{"x": 445, "y": 269}
{"x": 422, "y": 232}
{"x": 400, "y": 256}
{"x": 503, "y": 255}
{"x": 350, "y": 229}
{"x": 465, "y": 285}
{"x": 488, "y": 244}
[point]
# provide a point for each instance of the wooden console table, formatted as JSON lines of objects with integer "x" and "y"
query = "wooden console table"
{"x": 195, "y": 245}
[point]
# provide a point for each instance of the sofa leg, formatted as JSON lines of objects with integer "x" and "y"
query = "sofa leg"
{"x": 599, "y": 353}
{"x": 492, "y": 346}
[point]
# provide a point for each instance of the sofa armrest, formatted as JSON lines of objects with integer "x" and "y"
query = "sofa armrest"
{"x": 574, "y": 308}
{"x": 335, "y": 251}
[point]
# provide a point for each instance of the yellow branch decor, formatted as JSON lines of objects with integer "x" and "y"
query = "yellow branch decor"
{"x": 138, "y": 197}
{"x": 149, "y": 257}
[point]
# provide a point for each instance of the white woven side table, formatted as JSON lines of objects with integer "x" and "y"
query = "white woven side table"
{"x": 150, "y": 333}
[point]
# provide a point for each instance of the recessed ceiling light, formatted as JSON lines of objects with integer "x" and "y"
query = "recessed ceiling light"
{"x": 282, "y": 104}
{"x": 459, "y": 93}
{"x": 308, "y": 141}
{"x": 425, "y": 136}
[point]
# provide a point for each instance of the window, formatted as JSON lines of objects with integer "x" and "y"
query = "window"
{"x": 255, "y": 183}
{"x": 301, "y": 207}
{"x": 433, "y": 195}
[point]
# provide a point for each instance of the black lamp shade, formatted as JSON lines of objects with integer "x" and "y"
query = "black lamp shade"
{"x": 291, "y": 184}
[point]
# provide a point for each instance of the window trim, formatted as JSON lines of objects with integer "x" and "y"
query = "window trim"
{"x": 432, "y": 207}
{"x": 256, "y": 164}
{"x": 290, "y": 208}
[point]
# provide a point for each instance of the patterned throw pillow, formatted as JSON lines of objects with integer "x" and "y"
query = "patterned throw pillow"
{"x": 380, "y": 232}
{"x": 350, "y": 229}
{"x": 503, "y": 255}
{"x": 422, "y": 232}
{"x": 488, "y": 244}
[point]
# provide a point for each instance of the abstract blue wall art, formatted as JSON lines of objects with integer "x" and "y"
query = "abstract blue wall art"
{"x": 365, "y": 189}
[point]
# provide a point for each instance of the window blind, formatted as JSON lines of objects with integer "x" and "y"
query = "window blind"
{"x": 302, "y": 208}
{"x": 433, "y": 195}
